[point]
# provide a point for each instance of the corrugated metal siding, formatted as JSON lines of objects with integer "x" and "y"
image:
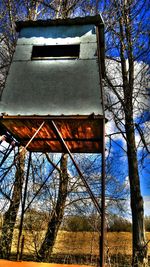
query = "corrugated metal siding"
{"x": 57, "y": 31}
{"x": 55, "y": 87}
{"x": 24, "y": 52}
{"x": 87, "y": 38}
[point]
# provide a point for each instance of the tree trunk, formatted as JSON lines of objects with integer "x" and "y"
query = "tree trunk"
{"x": 11, "y": 214}
{"x": 139, "y": 248}
{"x": 138, "y": 229}
{"x": 57, "y": 214}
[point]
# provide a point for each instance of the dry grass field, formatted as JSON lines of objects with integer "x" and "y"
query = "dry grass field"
{"x": 81, "y": 243}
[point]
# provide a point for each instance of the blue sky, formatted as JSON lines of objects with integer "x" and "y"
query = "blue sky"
{"x": 120, "y": 165}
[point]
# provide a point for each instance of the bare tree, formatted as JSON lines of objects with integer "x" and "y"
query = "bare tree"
{"x": 11, "y": 214}
{"x": 122, "y": 37}
{"x": 124, "y": 27}
{"x": 57, "y": 213}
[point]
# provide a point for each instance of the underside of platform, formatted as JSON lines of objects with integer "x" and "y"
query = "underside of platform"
{"x": 82, "y": 134}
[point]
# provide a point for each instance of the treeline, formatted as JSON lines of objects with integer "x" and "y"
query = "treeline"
{"x": 36, "y": 221}
{"x": 116, "y": 223}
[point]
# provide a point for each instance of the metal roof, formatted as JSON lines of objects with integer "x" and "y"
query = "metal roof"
{"x": 96, "y": 20}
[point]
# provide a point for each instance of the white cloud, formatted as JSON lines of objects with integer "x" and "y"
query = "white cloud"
{"x": 147, "y": 205}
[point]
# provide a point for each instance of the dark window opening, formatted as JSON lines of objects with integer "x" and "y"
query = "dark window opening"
{"x": 56, "y": 51}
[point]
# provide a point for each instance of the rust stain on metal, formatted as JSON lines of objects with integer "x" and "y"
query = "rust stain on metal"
{"x": 81, "y": 135}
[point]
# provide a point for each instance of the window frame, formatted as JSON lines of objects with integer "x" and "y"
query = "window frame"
{"x": 55, "y": 52}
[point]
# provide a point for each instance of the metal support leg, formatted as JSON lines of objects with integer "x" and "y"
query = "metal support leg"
{"x": 55, "y": 167}
{"x": 23, "y": 207}
{"x": 95, "y": 202}
{"x": 102, "y": 239}
{"x": 23, "y": 150}
{"x": 34, "y": 135}
{"x": 2, "y": 177}
{"x": 6, "y": 156}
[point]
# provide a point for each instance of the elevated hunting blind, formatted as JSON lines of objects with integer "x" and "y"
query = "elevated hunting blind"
{"x": 53, "y": 97}
{"x": 55, "y": 75}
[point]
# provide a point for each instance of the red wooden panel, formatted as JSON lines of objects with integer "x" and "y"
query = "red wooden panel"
{"x": 82, "y": 135}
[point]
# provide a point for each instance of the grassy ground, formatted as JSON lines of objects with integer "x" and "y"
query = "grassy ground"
{"x": 81, "y": 243}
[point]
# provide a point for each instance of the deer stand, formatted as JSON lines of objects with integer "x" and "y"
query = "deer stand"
{"x": 59, "y": 107}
